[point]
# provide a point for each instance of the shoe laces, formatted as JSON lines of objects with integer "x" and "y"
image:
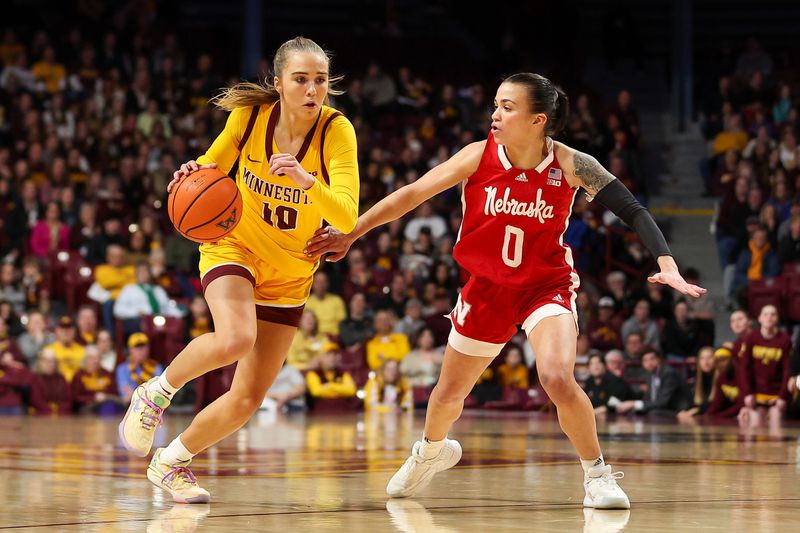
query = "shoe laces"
{"x": 152, "y": 414}
{"x": 608, "y": 477}
{"x": 179, "y": 475}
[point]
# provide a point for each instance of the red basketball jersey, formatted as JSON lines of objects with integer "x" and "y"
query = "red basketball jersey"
{"x": 514, "y": 221}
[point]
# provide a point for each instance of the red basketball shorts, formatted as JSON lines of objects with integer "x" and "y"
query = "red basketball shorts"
{"x": 486, "y": 315}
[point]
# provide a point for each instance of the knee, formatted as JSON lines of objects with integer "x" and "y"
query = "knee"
{"x": 244, "y": 405}
{"x": 448, "y": 394}
{"x": 558, "y": 383}
{"x": 234, "y": 345}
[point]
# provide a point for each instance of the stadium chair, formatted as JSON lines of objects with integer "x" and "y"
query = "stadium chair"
{"x": 421, "y": 395}
{"x": 513, "y": 399}
{"x": 166, "y": 336}
{"x": 212, "y": 385}
{"x": 78, "y": 277}
{"x": 764, "y": 292}
{"x": 58, "y": 264}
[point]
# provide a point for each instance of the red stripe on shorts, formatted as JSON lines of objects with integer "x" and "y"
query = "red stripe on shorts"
{"x": 288, "y": 316}
{"x": 226, "y": 270}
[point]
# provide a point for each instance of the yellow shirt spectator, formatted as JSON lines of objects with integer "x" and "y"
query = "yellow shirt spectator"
{"x": 386, "y": 345}
{"x": 330, "y": 384}
{"x": 69, "y": 356}
{"x": 47, "y": 71}
{"x": 114, "y": 274}
{"x": 388, "y": 391}
{"x": 308, "y": 343}
{"x": 329, "y": 308}
{"x": 509, "y": 376}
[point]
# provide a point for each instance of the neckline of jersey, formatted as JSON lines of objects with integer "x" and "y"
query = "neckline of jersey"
{"x": 270, "y": 137}
{"x": 507, "y": 165}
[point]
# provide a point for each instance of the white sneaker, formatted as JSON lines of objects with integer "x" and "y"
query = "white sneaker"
{"x": 602, "y": 491}
{"x": 417, "y": 472}
{"x": 176, "y": 479}
{"x": 138, "y": 428}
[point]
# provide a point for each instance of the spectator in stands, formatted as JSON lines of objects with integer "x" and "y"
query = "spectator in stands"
{"x": 358, "y": 277}
{"x": 108, "y": 355}
{"x": 602, "y": 385}
{"x": 411, "y": 324}
{"x": 680, "y": 336}
{"x": 50, "y": 391}
{"x": 425, "y": 217}
{"x": 97, "y": 246}
{"x": 513, "y": 372}
{"x": 33, "y": 284}
{"x": 328, "y": 308}
{"x": 615, "y": 363}
{"x": 603, "y": 330}
{"x": 10, "y": 288}
{"x": 330, "y": 381}
{"x": 753, "y": 59}
{"x": 783, "y": 104}
{"x": 641, "y": 322}
{"x": 395, "y": 300}
{"x": 666, "y": 394}
{"x": 307, "y": 344}
{"x": 142, "y": 298}
{"x": 765, "y": 367}
{"x": 357, "y": 328}
{"x": 701, "y": 309}
{"x": 35, "y": 337}
{"x": 199, "y": 318}
{"x": 93, "y": 388}
{"x": 386, "y": 344}
{"x": 15, "y": 384}
{"x": 110, "y": 278}
{"x": 703, "y": 384}
{"x": 50, "y": 75}
{"x": 378, "y": 87}
{"x": 51, "y": 234}
{"x": 388, "y": 390}
{"x": 87, "y": 325}
{"x": 787, "y": 149}
{"x": 68, "y": 353}
{"x": 732, "y": 137}
{"x": 758, "y": 261}
{"x": 422, "y": 364}
{"x": 789, "y": 246}
{"x": 288, "y": 392}
{"x": 439, "y": 319}
{"x": 726, "y": 399}
{"x": 730, "y": 231}
{"x": 620, "y": 293}
{"x": 138, "y": 369}
{"x": 583, "y": 351}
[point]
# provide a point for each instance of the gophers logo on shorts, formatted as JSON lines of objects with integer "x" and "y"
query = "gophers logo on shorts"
{"x": 227, "y": 223}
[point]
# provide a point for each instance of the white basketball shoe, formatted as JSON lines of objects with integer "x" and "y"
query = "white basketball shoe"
{"x": 602, "y": 491}
{"x": 417, "y": 471}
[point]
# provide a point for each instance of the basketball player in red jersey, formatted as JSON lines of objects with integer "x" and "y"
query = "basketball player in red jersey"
{"x": 518, "y": 189}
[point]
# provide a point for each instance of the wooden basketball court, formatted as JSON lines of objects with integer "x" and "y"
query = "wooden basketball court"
{"x": 302, "y": 473}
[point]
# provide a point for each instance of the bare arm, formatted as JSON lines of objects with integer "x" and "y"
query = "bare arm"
{"x": 438, "y": 179}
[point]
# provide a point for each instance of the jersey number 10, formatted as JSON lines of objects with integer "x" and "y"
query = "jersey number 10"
{"x": 285, "y": 217}
{"x": 518, "y": 235}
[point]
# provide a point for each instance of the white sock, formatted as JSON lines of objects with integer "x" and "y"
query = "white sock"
{"x": 176, "y": 453}
{"x": 430, "y": 448}
{"x": 588, "y": 465}
{"x": 164, "y": 387}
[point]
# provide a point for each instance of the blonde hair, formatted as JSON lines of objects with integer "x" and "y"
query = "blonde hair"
{"x": 246, "y": 94}
{"x": 699, "y": 390}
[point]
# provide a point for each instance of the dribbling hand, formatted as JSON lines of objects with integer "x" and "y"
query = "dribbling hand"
{"x": 185, "y": 170}
{"x": 328, "y": 240}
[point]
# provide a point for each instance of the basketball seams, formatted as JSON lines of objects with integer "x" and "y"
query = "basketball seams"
{"x": 215, "y": 217}
{"x": 196, "y": 197}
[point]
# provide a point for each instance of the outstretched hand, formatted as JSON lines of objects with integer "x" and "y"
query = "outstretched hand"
{"x": 676, "y": 281}
{"x": 328, "y": 240}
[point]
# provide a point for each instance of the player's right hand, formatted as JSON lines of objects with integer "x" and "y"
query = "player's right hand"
{"x": 185, "y": 170}
{"x": 328, "y": 240}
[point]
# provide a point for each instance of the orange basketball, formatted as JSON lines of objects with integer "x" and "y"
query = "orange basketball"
{"x": 205, "y": 206}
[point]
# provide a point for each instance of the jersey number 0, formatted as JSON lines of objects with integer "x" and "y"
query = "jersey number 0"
{"x": 518, "y": 235}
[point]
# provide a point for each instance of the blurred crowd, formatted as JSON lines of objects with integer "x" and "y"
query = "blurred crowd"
{"x": 98, "y": 294}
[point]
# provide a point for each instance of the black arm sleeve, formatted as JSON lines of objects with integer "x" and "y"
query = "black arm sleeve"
{"x": 616, "y": 197}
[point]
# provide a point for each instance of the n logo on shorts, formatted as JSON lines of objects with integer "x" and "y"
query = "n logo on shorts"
{"x": 460, "y": 311}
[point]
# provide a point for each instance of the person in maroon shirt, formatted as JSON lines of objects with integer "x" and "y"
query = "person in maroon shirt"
{"x": 726, "y": 397}
{"x": 766, "y": 365}
{"x": 50, "y": 392}
{"x": 15, "y": 381}
{"x": 93, "y": 387}
{"x": 604, "y": 331}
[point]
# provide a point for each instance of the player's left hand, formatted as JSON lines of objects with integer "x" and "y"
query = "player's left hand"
{"x": 287, "y": 165}
{"x": 676, "y": 281}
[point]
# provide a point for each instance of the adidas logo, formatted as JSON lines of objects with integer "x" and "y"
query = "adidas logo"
{"x": 522, "y": 177}
{"x": 558, "y": 298}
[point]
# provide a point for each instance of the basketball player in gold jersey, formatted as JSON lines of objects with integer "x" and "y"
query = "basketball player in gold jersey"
{"x": 297, "y": 167}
